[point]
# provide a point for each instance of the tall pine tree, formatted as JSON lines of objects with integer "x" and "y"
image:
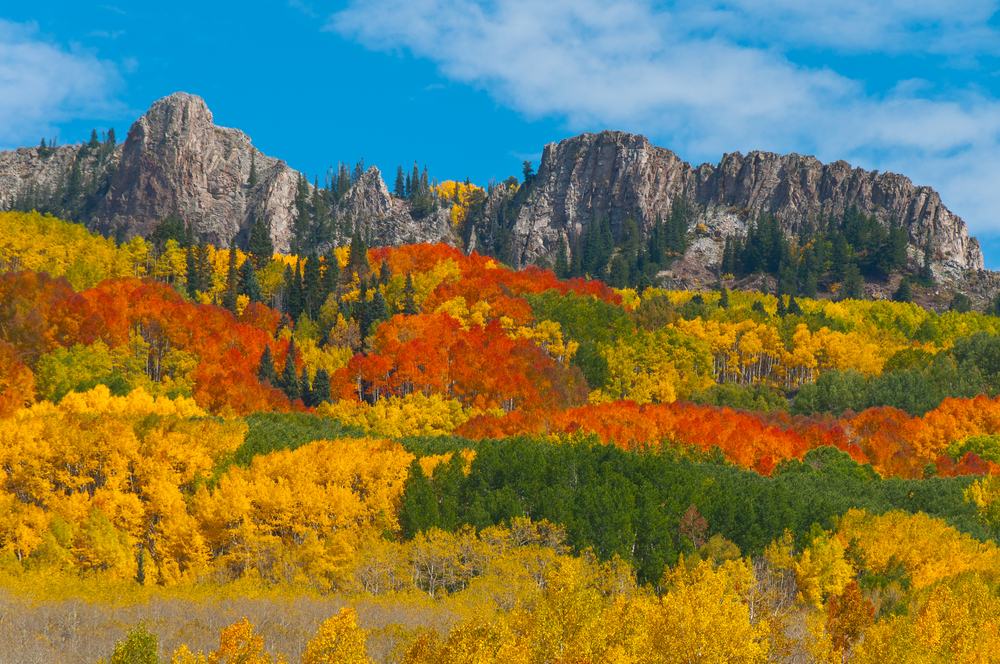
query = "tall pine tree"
{"x": 305, "y": 389}
{"x": 331, "y": 275}
{"x": 562, "y": 260}
{"x": 400, "y": 189}
{"x": 259, "y": 246}
{"x": 193, "y": 277}
{"x": 312, "y": 286}
{"x": 229, "y": 297}
{"x": 289, "y": 377}
{"x": 321, "y": 387}
{"x": 252, "y": 181}
{"x": 248, "y": 284}
{"x": 409, "y": 294}
{"x": 265, "y": 369}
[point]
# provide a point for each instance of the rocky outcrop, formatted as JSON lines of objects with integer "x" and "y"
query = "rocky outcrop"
{"x": 176, "y": 159}
{"x": 618, "y": 174}
{"x": 385, "y": 221}
{"x": 42, "y": 174}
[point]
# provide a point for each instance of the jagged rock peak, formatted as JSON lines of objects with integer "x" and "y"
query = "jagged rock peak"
{"x": 176, "y": 159}
{"x": 368, "y": 198}
{"x": 618, "y": 174}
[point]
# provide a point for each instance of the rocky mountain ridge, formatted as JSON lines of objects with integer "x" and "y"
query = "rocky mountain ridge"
{"x": 176, "y": 160}
{"x": 617, "y": 175}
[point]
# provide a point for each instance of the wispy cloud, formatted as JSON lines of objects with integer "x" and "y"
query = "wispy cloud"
{"x": 105, "y": 34}
{"x": 306, "y": 9}
{"x": 704, "y": 81}
{"x": 42, "y": 84}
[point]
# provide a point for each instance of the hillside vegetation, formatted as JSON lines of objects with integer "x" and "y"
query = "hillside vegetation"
{"x": 423, "y": 456}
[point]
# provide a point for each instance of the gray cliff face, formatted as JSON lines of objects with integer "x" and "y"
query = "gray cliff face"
{"x": 31, "y": 168}
{"x": 374, "y": 213}
{"x": 618, "y": 174}
{"x": 176, "y": 159}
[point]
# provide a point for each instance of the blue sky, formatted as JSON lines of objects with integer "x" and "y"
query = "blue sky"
{"x": 473, "y": 88}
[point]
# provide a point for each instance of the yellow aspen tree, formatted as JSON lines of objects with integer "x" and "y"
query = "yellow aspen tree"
{"x": 338, "y": 641}
{"x": 701, "y": 618}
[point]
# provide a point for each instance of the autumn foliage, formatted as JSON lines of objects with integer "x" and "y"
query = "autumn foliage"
{"x": 141, "y": 443}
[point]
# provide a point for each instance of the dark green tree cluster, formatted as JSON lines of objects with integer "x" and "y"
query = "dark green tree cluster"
{"x": 78, "y": 190}
{"x": 199, "y": 269}
{"x": 370, "y": 307}
{"x": 625, "y": 504}
{"x": 294, "y": 385}
{"x": 306, "y": 288}
{"x": 423, "y": 200}
{"x": 171, "y": 227}
{"x": 318, "y": 219}
{"x": 913, "y": 381}
{"x": 760, "y": 398}
{"x": 840, "y": 250}
{"x": 494, "y": 229}
{"x": 588, "y": 321}
{"x": 260, "y": 247}
{"x": 630, "y": 260}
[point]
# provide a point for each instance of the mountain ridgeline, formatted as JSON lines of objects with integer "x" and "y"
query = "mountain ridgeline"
{"x": 608, "y": 205}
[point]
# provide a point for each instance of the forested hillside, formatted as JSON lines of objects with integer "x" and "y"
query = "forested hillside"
{"x": 419, "y": 455}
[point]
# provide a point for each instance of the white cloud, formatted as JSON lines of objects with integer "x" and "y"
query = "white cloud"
{"x": 708, "y": 81}
{"x": 851, "y": 26}
{"x": 42, "y": 84}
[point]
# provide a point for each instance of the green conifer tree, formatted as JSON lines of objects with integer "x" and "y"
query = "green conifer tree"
{"x": 320, "y": 229}
{"x": 384, "y": 274}
{"x": 343, "y": 181}
{"x": 248, "y": 284}
{"x": 203, "y": 266}
{"x": 379, "y": 308}
{"x": 331, "y": 275}
{"x": 357, "y": 262}
{"x": 576, "y": 260}
{"x": 303, "y": 221}
{"x": 260, "y": 247}
{"x": 289, "y": 377}
{"x": 305, "y": 389}
{"x": 265, "y": 369}
{"x": 400, "y": 189}
{"x": 193, "y": 276}
{"x": 321, "y": 387}
{"x": 853, "y": 286}
{"x": 312, "y": 286}
{"x": 905, "y": 291}
{"x": 296, "y": 294}
{"x": 926, "y": 272}
{"x": 409, "y": 293}
{"x": 232, "y": 280}
{"x": 364, "y": 314}
{"x": 252, "y": 180}
{"x": 562, "y": 260}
